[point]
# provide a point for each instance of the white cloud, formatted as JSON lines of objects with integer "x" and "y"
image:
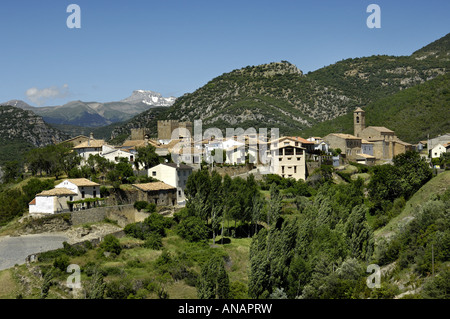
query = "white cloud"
{"x": 41, "y": 96}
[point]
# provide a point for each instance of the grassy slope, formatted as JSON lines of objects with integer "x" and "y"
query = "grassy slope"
{"x": 8, "y": 286}
{"x": 436, "y": 185}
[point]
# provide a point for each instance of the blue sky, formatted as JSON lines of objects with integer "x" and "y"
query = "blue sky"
{"x": 174, "y": 46}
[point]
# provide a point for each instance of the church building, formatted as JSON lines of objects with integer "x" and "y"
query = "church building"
{"x": 386, "y": 144}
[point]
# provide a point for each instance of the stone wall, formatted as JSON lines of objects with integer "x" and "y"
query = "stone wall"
{"x": 123, "y": 214}
{"x": 233, "y": 170}
{"x": 311, "y": 166}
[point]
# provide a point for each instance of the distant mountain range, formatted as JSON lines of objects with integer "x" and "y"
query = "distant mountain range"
{"x": 96, "y": 114}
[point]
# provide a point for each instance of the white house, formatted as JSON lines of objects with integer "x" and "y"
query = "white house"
{"x": 288, "y": 158}
{"x": 439, "y": 149}
{"x": 114, "y": 154}
{"x": 175, "y": 175}
{"x": 441, "y": 139}
{"x": 51, "y": 201}
{"x": 83, "y": 187}
{"x": 319, "y": 144}
{"x": 55, "y": 200}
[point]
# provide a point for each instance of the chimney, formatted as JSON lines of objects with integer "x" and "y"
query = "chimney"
{"x": 146, "y": 139}
{"x": 91, "y": 137}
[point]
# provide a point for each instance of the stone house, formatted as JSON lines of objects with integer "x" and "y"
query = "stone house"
{"x": 76, "y": 140}
{"x": 173, "y": 174}
{"x": 350, "y": 145}
{"x": 158, "y": 193}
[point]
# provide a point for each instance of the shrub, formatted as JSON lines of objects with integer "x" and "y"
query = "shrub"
{"x": 104, "y": 192}
{"x": 139, "y": 205}
{"x": 154, "y": 241}
{"x": 157, "y": 223}
{"x": 192, "y": 229}
{"x": 238, "y": 290}
{"x": 151, "y": 207}
{"x": 119, "y": 289}
{"x": 136, "y": 230}
{"x": 73, "y": 250}
{"x": 437, "y": 287}
{"x": 111, "y": 244}
{"x": 61, "y": 263}
{"x": 135, "y": 263}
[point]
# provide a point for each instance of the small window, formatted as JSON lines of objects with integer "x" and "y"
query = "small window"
{"x": 82, "y": 194}
{"x": 153, "y": 173}
{"x": 298, "y": 158}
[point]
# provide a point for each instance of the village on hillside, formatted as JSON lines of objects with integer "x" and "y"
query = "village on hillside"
{"x": 287, "y": 156}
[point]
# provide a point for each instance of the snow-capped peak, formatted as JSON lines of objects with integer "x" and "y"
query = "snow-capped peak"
{"x": 149, "y": 98}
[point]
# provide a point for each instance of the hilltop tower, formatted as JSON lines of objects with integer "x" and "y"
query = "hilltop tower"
{"x": 359, "y": 121}
{"x": 139, "y": 133}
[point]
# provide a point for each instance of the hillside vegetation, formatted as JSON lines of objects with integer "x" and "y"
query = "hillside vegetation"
{"x": 413, "y": 114}
{"x": 273, "y": 238}
{"x": 22, "y": 130}
{"x": 278, "y": 94}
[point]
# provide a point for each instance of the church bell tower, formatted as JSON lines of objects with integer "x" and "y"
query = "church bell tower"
{"x": 359, "y": 121}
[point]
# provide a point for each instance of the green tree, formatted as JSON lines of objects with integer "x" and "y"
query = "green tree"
{"x": 198, "y": 188}
{"x": 259, "y": 277}
{"x": 11, "y": 171}
{"x": 274, "y": 205}
{"x": 35, "y": 186}
{"x": 146, "y": 157}
{"x": 213, "y": 282}
{"x": 359, "y": 234}
{"x": 192, "y": 229}
{"x": 121, "y": 174}
{"x": 95, "y": 288}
